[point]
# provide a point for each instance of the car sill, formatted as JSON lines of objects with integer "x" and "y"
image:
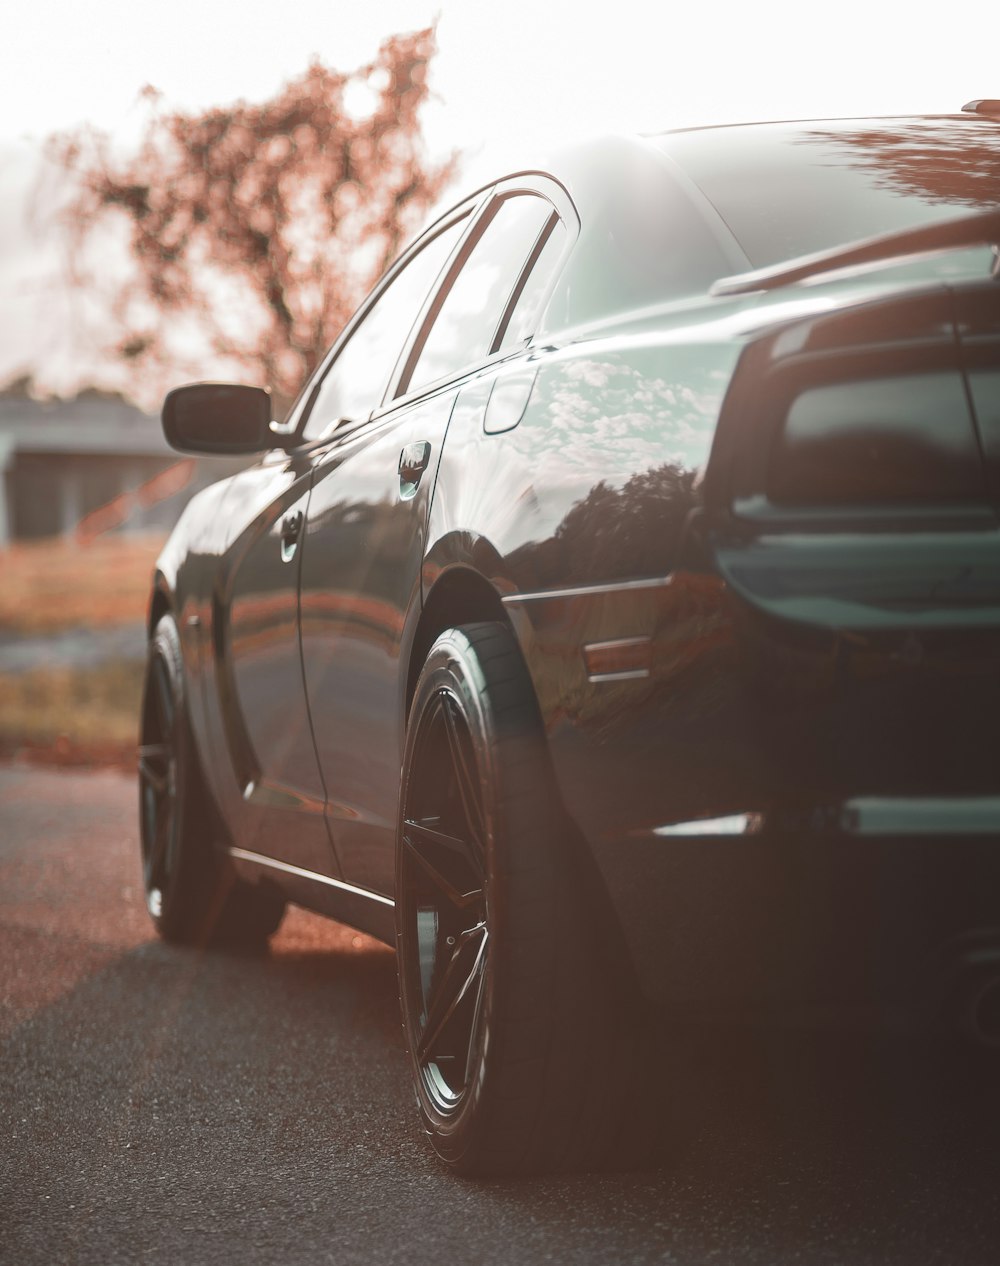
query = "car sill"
{"x": 244, "y": 855}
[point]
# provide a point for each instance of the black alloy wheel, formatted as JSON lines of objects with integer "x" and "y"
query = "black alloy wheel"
{"x": 524, "y": 1050}
{"x": 446, "y": 904}
{"x": 158, "y": 784}
{"x": 192, "y": 895}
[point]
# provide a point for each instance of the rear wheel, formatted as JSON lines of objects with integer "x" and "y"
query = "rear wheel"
{"x": 191, "y": 894}
{"x": 526, "y": 1051}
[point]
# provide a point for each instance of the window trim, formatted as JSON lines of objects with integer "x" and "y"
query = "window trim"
{"x": 294, "y": 426}
{"x": 290, "y": 432}
{"x": 500, "y": 333}
{"x": 529, "y": 182}
{"x": 443, "y": 289}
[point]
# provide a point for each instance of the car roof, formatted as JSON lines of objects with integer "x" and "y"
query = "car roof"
{"x": 584, "y": 167}
{"x": 834, "y": 121}
{"x": 573, "y": 165}
{"x": 793, "y": 188}
{"x": 712, "y": 188}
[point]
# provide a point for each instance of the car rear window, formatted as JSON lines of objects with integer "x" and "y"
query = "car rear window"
{"x": 789, "y": 189}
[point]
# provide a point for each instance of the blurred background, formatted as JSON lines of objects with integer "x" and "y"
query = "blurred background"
{"x": 207, "y": 189}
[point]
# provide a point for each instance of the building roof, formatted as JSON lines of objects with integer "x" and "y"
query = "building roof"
{"x": 90, "y": 424}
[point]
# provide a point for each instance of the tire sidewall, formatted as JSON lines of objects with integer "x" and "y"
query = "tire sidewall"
{"x": 452, "y": 666}
{"x": 174, "y": 910}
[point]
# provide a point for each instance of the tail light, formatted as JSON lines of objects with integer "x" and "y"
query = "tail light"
{"x": 847, "y": 487}
{"x": 886, "y": 440}
{"x": 864, "y": 409}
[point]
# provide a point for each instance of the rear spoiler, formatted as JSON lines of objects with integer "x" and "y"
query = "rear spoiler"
{"x": 933, "y": 239}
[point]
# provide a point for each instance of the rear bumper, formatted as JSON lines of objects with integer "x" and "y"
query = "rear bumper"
{"x": 862, "y": 922}
{"x": 782, "y": 816}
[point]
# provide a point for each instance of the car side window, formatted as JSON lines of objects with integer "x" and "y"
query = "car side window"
{"x": 474, "y": 298}
{"x": 354, "y": 383}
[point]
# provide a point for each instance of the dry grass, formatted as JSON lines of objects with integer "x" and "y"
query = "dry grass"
{"x": 60, "y": 712}
{"x": 79, "y": 707}
{"x": 49, "y": 586}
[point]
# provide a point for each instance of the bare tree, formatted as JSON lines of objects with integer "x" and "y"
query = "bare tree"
{"x": 254, "y": 230}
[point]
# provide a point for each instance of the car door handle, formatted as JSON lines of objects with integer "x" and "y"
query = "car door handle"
{"x": 412, "y": 464}
{"x": 291, "y": 529}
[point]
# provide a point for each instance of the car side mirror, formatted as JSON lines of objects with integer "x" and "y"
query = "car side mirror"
{"x": 218, "y": 417}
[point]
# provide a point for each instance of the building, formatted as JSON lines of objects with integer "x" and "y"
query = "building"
{"x": 91, "y": 464}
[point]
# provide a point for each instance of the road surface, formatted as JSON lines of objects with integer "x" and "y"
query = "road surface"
{"x": 160, "y": 1105}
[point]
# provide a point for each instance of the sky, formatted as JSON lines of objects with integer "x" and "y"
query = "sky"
{"x": 509, "y": 78}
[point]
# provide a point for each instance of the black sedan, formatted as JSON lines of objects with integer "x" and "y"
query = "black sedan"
{"x": 615, "y": 620}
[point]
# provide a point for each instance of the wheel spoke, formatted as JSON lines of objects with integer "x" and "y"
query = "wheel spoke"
{"x": 460, "y": 975}
{"x": 470, "y": 1054}
{"x": 154, "y": 765}
{"x": 158, "y": 848}
{"x": 464, "y": 778}
{"x": 437, "y": 854}
{"x": 156, "y": 775}
{"x": 164, "y": 699}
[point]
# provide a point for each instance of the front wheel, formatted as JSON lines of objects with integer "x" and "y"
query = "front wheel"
{"x": 525, "y": 1052}
{"x": 191, "y": 895}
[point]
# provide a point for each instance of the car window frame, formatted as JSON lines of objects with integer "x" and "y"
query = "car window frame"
{"x": 291, "y": 430}
{"x": 514, "y": 298}
{"x": 449, "y": 279}
{"x": 475, "y": 207}
{"x": 531, "y": 183}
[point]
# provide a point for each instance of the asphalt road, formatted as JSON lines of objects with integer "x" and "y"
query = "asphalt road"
{"x": 158, "y": 1105}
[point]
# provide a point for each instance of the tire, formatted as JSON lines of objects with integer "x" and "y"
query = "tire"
{"x": 526, "y": 1051}
{"x": 192, "y": 896}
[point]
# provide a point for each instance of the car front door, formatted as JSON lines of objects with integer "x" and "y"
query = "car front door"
{"x": 270, "y": 786}
{"x": 275, "y": 798}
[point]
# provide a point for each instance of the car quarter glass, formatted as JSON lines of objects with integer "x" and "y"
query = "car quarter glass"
{"x": 355, "y": 381}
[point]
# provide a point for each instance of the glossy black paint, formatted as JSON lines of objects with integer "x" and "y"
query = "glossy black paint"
{"x": 807, "y": 589}
{"x": 360, "y": 600}
{"x": 221, "y": 418}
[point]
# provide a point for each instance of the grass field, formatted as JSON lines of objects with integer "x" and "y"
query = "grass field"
{"x": 80, "y": 705}
{"x": 59, "y": 712}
